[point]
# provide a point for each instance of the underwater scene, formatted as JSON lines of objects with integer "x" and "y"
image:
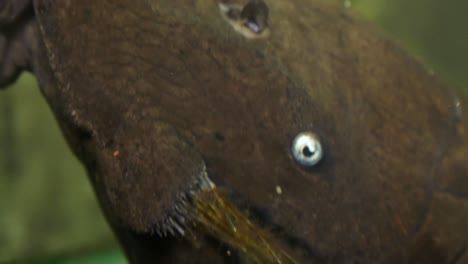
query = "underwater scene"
{"x": 48, "y": 210}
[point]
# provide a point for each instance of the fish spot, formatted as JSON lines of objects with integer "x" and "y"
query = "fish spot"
{"x": 279, "y": 190}
{"x": 458, "y": 108}
{"x": 219, "y": 136}
{"x": 250, "y": 20}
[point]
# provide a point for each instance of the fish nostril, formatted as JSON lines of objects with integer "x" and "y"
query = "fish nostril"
{"x": 255, "y": 13}
{"x": 250, "y": 20}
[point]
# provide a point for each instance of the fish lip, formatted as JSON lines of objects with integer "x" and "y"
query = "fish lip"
{"x": 291, "y": 241}
{"x": 261, "y": 216}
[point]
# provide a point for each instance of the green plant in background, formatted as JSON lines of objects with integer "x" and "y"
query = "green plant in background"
{"x": 47, "y": 207}
{"x": 434, "y": 31}
{"x": 107, "y": 256}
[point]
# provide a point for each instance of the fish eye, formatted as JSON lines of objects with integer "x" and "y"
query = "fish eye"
{"x": 306, "y": 149}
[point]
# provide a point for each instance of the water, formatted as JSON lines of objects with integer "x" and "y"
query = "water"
{"x": 47, "y": 207}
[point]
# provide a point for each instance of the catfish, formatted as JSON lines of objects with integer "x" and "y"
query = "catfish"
{"x": 236, "y": 131}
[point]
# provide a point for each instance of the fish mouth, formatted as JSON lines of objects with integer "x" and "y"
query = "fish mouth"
{"x": 207, "y": 210}
{"x": 219, "y": 217}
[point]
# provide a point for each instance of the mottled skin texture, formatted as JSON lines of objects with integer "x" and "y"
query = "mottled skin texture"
{"x": 175, "y": 89}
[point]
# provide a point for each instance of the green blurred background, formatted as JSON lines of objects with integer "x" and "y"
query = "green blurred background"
{"x": 48, "y": 213}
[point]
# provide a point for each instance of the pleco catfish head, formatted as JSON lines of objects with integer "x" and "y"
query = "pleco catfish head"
{"x": 284, "y": 131}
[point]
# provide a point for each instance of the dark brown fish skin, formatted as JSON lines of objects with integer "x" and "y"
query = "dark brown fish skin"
{"x": 444, "y": 231}
{"x": 172, "y": 87}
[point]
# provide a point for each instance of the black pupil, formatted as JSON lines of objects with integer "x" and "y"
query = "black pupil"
{"x": 306, "y": 151}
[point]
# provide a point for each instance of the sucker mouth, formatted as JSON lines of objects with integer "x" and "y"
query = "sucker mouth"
{"x": 219, "y": 217}
{"x": 207, "y": 208}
